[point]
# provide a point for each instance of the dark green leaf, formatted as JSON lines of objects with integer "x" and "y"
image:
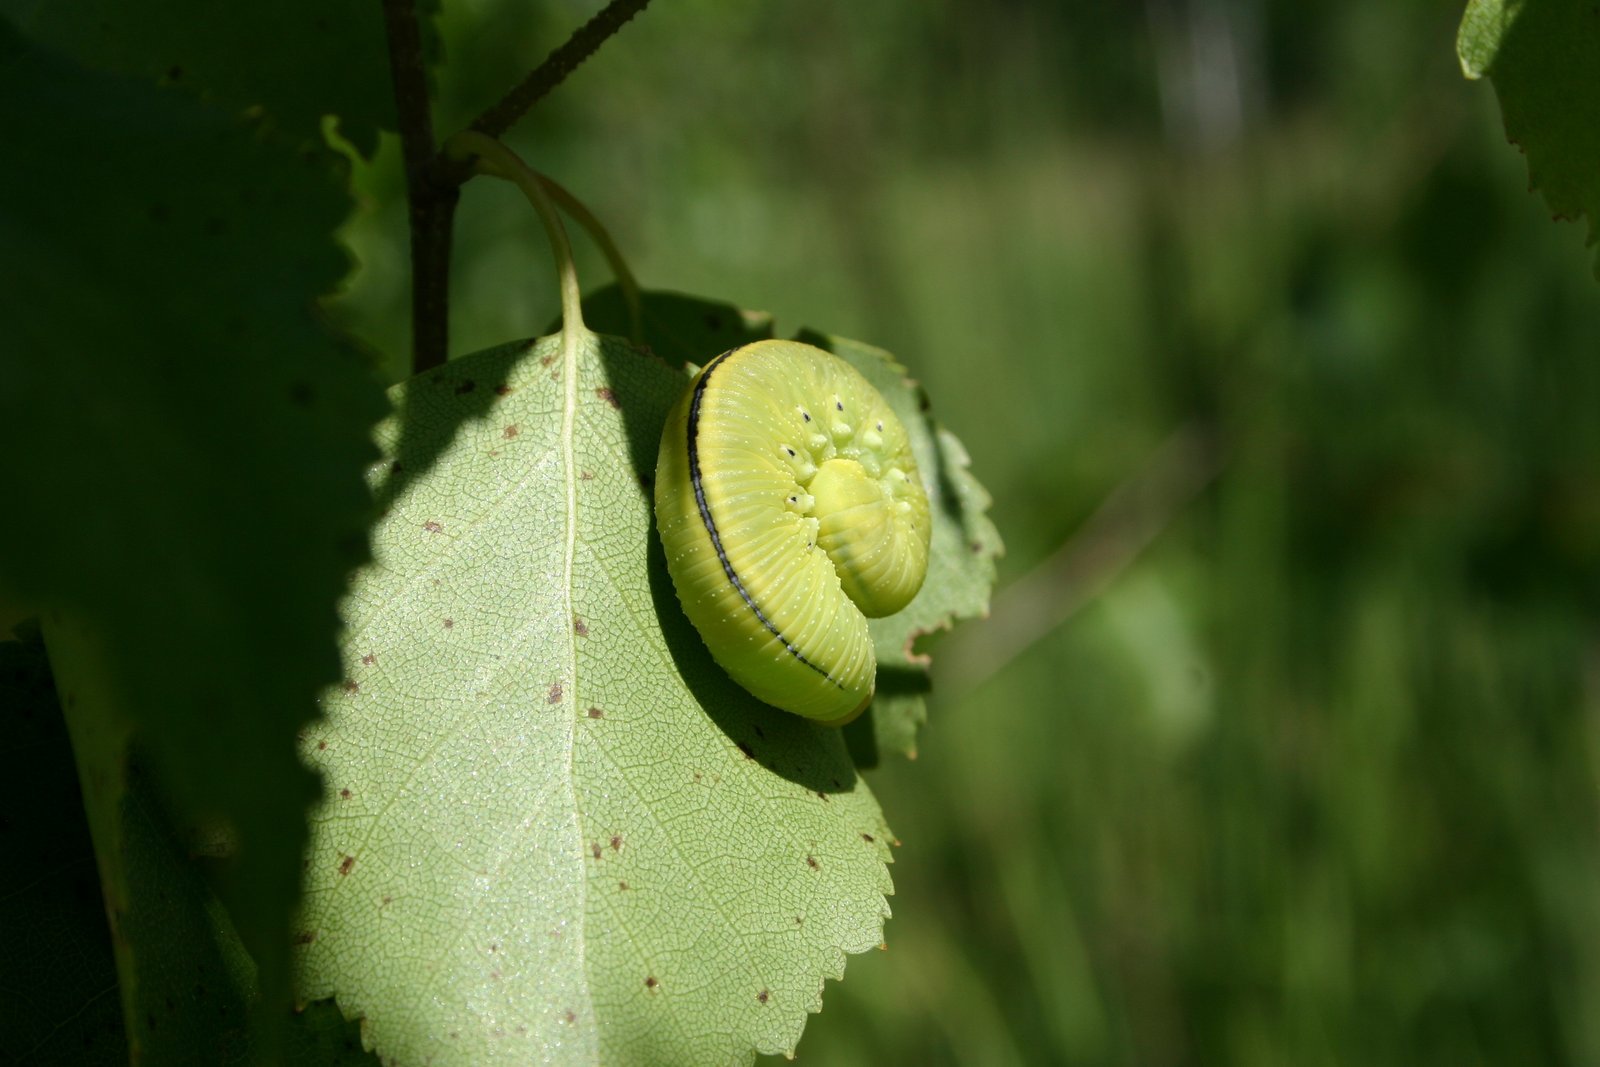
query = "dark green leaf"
{"x": 680, "y": 329}
{"x": 298, "y": 60}
{"x": 192, "y": 498}
{"x": 1544, "y": 59}
{"x": 59, "y": 1002}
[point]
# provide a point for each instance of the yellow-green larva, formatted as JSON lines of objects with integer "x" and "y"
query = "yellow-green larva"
{"x": 791, "y": 510}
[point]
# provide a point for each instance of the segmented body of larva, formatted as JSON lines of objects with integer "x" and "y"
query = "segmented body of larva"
{"x": 791, "y": 510}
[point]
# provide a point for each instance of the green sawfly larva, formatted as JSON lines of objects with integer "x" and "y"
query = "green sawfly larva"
{"x": 791, "y": 510}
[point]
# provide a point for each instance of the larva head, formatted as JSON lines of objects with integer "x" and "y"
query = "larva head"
{"x": 791, "y": 509}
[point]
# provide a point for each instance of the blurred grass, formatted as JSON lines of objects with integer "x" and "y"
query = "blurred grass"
{"x": 1313, "y": 782}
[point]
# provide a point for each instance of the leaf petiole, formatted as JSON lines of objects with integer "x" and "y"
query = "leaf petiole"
{"x": 608, "y": 248}
{"x": 496, "y": 159}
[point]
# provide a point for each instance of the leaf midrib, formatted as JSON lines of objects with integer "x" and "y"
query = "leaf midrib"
{"x": 572, "y": 336}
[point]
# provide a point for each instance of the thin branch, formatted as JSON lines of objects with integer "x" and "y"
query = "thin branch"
{"x": 557, "y": 65}
{"x": 433, "y": 179}
{"x": 432, "y": 205}
{"x": 1083, "y": 568}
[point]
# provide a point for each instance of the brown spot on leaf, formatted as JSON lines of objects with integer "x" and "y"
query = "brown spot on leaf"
{"x": 594, "y": 849}
{"x": 586, "y": 476}
{"x": 622, "y": 886}
{"x": 763, "y": 996}
{"x": 651, "y": 983}
{"x": 369, "y": 659}
{"x": 596, "y": 713}
{"x": 345, "y": 794}
{"x": 510, "y": 431}
{"x": 494, "y": 947}
{"x": 465, "y": 387}
{"x": 321, "y": 745}
{"x": 351, "y": 686}
{"x": 570, "y": 1016}
{"x": 555, "y": 693}
{"x": 811, "y": 861}
{"x": 580, "y": 627}
{"x": 605, "y": 393}
{"x": 346, "y": 863}
{"x": 433, "y": 527}
{"x": 616, "y": 842}
{"x": 386, "y": 901}
{"x": 546, "y": 360}
{"x": 449, "y": 624}
{"x": 868, "y": 838}
{"x": 504, "y": 390}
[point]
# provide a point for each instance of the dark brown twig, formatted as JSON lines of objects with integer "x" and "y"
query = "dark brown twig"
{"x": 433, "y": 180}
{"x": 557, "y": 65}
{"x": 432, "y": 205}
{"x": 546, "y": 76}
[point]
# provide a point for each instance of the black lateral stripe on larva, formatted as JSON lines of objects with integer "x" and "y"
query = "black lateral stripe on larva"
{"x": 711, "y": 525}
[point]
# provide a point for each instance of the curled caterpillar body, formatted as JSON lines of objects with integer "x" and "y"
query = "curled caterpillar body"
{"x": 791, "y": 510}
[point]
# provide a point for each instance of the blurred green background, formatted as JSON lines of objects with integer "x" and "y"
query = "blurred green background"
{"x": 1308, "y": 779}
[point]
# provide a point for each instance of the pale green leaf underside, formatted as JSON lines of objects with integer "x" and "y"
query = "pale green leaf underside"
{"x": 1544, "y": 59}
{"x": 555, "y": 831}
